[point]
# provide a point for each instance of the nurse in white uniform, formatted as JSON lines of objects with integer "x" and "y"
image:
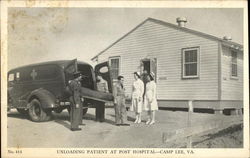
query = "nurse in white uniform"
{"x": 150, "y": 100}
{"x": 137, "y": 97}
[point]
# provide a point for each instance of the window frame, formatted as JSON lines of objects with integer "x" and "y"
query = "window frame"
{"x": 13, "y": 77}
{"x": 47, "y": 67}
{"x": 110, "y": 68}
{"x": 234, "y": 63}
{"x": 183, "y": 63}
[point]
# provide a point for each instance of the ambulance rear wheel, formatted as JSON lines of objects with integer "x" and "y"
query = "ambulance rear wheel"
{"x": 37, "y": 113}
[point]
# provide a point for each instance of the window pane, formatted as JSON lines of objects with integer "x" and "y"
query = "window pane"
{"x": 18, "y": 75}
{"x": 234, "y": 57}
{"x": 186, "y": 69}
{"x": 114, "y": 68}
{"x": 114, "y": 73}
{"x": 71, "y": 69}
{"x": 25, "y": 74}
{"x": 45, "y": 72}
{"x": 115, "y": 63}
{"x": 191, "y": 56}
{"x": 11, "y": 77}
{"x": 191, "y": 69}
{"x": 187, "y": 56}
{"x": 234, "y": 54}
{"x": 194, "y": 56}
{"x": 234, "y": 63}
{"x": 234, "y": 70}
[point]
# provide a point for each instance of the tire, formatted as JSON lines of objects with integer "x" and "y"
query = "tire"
{"x": 22, "y": 111}
{"x": 37, "y": 113}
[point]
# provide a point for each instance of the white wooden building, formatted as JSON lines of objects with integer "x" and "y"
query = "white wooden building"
{"x": 191, "y": 67}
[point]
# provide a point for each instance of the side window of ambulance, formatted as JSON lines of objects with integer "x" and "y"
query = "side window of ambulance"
{"x": 47, "y": 72}
{"x": 18, "y": 76}
{"x": 11, "y": 77}
{"x": 24, "y": 75}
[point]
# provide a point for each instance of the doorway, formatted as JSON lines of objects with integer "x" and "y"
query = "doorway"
{"x": 150, "y": 65}
{"x": 146, "y": 65}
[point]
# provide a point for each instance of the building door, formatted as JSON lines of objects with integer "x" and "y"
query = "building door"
{"x": 150, "y": 65}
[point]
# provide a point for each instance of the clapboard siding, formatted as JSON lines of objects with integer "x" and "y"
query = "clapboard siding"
{"x": 232, "y": 89}
{"x": 152, "y": 40}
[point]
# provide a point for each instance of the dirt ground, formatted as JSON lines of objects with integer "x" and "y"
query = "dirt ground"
{"x": 56, "y": 133}
{"x": 231, "y": 137}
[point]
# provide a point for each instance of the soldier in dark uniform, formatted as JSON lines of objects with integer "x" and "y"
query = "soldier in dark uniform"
{"x": 76, "y": 103}
{"x": 119, "y": 101}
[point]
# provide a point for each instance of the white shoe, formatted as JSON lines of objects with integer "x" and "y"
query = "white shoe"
{"x": 139, "y": 121}
{"x": 148, "y": 122}
{"x": 152, "y": 122}
{"x": 136, "y": 121}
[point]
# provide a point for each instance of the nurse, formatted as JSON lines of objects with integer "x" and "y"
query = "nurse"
{"x": 150, "y": 100}
{"x": 137, "y": 97}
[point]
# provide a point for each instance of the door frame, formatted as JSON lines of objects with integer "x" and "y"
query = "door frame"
{"x": 150, "y": 62}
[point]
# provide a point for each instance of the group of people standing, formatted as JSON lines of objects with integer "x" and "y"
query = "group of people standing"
{"x": 143, "y": 97}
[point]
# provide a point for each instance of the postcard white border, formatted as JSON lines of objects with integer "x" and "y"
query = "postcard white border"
{"x": 52, "y": 152}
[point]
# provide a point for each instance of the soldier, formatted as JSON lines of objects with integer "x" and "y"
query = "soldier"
{"x": 102, "y": 86}
{"x": 76, "y": 104}
{"x": 119, "y": 101}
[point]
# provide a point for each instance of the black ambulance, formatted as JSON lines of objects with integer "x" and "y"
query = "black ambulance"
{"x": 39, "y": 89}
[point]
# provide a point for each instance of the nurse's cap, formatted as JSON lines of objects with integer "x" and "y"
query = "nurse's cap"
{"x": 152, "y": 74}
{"x": 137, "y": 73}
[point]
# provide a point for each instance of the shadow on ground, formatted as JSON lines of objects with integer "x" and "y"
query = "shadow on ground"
{"x": 64, "y": 119}
{"x": 18, "y": 116}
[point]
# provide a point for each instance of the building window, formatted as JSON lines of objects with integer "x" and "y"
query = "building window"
{"x": 234, "y": 64}
{"x": 190, "y": 63}
{"x": 114, "y": 67}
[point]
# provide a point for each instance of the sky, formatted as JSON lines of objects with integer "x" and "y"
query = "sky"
{"x": 47, "y": 34}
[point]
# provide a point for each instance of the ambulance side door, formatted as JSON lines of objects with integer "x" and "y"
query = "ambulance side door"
{"x": 103, "y": 70}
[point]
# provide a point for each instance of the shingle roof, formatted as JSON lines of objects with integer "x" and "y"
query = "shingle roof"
{"x": 228, "y": 43}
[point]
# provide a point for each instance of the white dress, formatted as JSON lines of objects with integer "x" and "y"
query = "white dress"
{"x": 150, "y": 99}
{"x": 137, "y": 92}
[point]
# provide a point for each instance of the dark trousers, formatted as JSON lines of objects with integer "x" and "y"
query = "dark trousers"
{"x": 75, "y": 116}
{"x": 100, "y": 111}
